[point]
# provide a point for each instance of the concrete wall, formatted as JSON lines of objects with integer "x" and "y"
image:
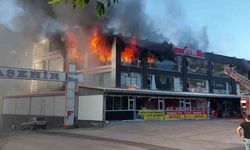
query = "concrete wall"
{"x": 90, "y": 108}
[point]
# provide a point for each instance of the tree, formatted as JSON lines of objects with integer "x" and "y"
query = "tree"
{"x": 100, "y": 4}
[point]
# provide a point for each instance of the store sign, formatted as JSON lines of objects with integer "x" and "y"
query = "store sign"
{"x": 30, "y": 74}
{"x": 71, "y": 79}
{"x": 174, "y": 115}
{"x": 189, "y": 52}
{"x": 152, "y": 114}
{"x": 189, "y": 114}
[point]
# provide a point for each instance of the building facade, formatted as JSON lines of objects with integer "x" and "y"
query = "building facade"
{"x": 192, "y": 84}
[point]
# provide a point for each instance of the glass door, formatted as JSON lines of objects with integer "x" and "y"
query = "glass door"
{"x": 131, "y": 103}
{"x": 161, "y": 104}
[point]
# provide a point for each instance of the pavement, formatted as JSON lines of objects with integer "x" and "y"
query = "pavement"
{"x": 135, "y": 135}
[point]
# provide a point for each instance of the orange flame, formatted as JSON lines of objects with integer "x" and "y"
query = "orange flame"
{"x": 151, "y": 60}
{"x": 130, "y": 52}
{"x": 100, "y": 47}
{"x": 74, "y": 47}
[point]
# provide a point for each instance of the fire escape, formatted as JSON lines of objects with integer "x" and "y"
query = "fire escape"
{"x": 243, "y": 81}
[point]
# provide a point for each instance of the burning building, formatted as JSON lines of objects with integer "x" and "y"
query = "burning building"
{"x": 141, "y": 77}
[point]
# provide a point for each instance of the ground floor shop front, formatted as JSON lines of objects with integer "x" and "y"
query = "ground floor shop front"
{"x": 123, "y": 104}
{"x": 120, "y": 107}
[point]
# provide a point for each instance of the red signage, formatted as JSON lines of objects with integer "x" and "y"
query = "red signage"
{"x": 189, "y": 52}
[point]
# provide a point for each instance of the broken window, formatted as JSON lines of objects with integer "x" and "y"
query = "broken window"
{"x": 166, "y": 64}
{"x": 195, "y": 65}
{"x": 156, "y": 82}
{"x": 131, "y": 80}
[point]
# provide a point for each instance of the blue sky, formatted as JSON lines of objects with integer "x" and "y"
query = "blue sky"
{"x": 227, "y": 22}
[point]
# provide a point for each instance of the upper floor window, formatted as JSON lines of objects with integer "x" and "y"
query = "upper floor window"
{"x": 218, "y": 69}
{"x": 197, "y": 85}
{"x": 195, "y": 65}
{"x": 220, "y": 87}
{"x": 131, "y": 80}
{"x": 166, "y": 64}
{"x": 156, "y": 82}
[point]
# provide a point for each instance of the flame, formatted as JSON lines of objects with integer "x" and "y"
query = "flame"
{"x": 100, "y": 47}
{"x": 73, "y": 46}
{"x": 129, "y": 52}
{"x": 151, "y": 60}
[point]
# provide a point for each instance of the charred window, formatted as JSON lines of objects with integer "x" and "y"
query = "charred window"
{"x": 197, "y": 85}
{"x": 133, "y": 59}
{"x": 131, "y": 54}
{"x": 175, "y": 65}
{"x": 131, "y": 80}
{"x": 218, "y": 69}
{"x": 56, "y": 43}
{"x": 195, "y": 65}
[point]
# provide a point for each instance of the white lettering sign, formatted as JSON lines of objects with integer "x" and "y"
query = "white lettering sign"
{"x": 29, "y": 74}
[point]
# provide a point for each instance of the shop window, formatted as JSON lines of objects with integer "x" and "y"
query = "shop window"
{"x": 131, "y": 80}
{"x": 199, "y": 104}
{"x": 172, "y": 104}
{"x": 109, "y": 103}
{"x": 197, "y": 85}
{"x": 195, "y": 65}
{"x": 124, "y": 102}
{"x": 146, "y": 103}
{"x": 117, "y": 103}
{"x": 167, "y": 64}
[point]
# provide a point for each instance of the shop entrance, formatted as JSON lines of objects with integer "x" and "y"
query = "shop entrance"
{"x": 225, "y": 108}
{"x": 185, "y": 104}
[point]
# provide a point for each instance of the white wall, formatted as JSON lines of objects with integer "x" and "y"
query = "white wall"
{"x": 45, "y": 106}
{"x": 23, "y": 106}
{"x": 90, "y": 108}
{"x": 59, "y": 106}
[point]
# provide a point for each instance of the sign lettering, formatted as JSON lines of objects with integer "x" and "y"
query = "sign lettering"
{"x": 30, "y": 74}
{"x": 34, "y": 74}
{"x": 189, "y": 52}
{"x": 22, "y": 74}
{"x": 10, "y": 73}
{"x": 54, "y": 76}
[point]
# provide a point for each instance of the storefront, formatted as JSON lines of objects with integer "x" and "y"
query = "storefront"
{"x": 123, "y": 104}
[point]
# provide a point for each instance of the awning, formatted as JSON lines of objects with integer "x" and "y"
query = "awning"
{"x": 161, "y": 93}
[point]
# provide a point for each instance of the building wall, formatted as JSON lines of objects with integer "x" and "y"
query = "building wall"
{"x": 223, "y": 84}
{"x": 42, "y": 106}
{"x": 18, "y": 109}
{"x": 90, "y": 108}
{"x": 46, "y": 59}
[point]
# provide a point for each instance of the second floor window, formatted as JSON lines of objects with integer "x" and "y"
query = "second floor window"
{"x": 195, "y": 65}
